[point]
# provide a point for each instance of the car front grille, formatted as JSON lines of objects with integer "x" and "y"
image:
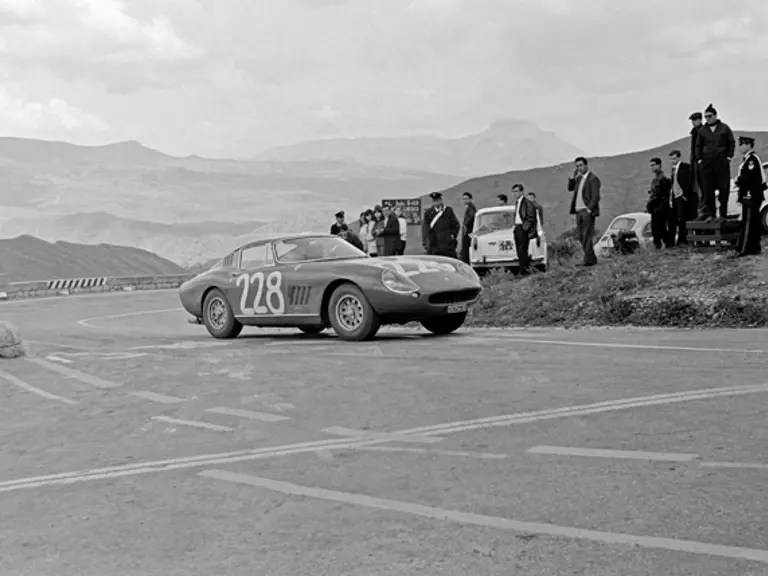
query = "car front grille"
{"x": 455, "y": 296}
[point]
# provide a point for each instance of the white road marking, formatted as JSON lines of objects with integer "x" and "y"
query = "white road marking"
{"x": 513, "y": 338}
{"x": 283, "y": 407}
{"x": 394, "y": 437}
{"x": 480, "y": 455}
{"x": 584, "y": 409}
{"x": 193, "y": 423}
{"x": 441, "y": 514}
{"x": 743, "y": 465}
{"x": 103, "y": 355}
{"x": 617, "y": 454}
{"x": 186, "y": 345}
{"x": 240, "y": 413}
{"x": 72, "y": 373}
{"x": 53, "y": 358}
{"x": 34, "y": 390}
{"x": 159, "y": 398}
{"x": 153, "y": 467}
{"x": 87, "y": 321}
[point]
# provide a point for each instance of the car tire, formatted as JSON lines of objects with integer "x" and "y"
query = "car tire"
{"x": 443, "y": 325}
{"x": 218, "y": 317}
{"x": 351, "y": 315}
{"x": 311, "y": 329}
{"x": 764, "y": 219}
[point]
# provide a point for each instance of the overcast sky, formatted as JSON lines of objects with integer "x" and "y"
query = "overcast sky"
{"x": 230, "y": 77}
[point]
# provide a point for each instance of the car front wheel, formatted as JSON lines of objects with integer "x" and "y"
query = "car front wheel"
{"x": 351, "y": 316}
{"x": 218, "y": 316}
{"x": 445, "y": 324}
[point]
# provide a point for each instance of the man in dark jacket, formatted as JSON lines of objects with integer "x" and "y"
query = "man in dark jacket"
{"x": 696, "y": 120}
{"x": 682, "y": 199}
{"x": 390, "y": 232}
{"x": 525, "y": 229}
{"x": 351, "y": 237}
{"x": 468, "y": 225}
{"x": 715, "y": 146}
{"x": 752, "y": 186}
{"x": 336, "y": 226}
{"x": 440, "y": 228}
{"x": 658, "y": 205}
{"x": 585, "y": 205}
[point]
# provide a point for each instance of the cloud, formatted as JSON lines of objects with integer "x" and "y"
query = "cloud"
{"x": 19, "y": 116}
{"x": 81, "y": 38}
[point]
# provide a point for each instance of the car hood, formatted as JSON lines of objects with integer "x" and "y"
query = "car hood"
{"x": 431, "y": 273}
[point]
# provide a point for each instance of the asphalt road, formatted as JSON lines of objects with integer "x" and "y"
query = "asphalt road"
{"x": 135, "y": 444}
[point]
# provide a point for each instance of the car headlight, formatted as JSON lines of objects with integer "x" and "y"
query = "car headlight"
{"x": 397, "y": 282}
{"x": 467, "y": 271}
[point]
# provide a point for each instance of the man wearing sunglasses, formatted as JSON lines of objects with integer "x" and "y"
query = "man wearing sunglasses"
{"x": 715, "y": 147}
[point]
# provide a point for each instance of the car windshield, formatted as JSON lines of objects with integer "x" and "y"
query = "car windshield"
{"x": 315, "y": 248}
{"x": 623, "y": 224}
{"x": 492, "y": 221}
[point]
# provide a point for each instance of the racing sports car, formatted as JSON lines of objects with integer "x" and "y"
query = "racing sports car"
{"x": 314, "y": 281}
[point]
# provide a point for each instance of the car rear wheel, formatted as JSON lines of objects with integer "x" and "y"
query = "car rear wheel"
{"x": 218, "y": 316}
{"x": 311, "y": 329}
{"x": 445, "y": 324}
{"x": 351, "y": 316}
{"x": 764, "y": 219}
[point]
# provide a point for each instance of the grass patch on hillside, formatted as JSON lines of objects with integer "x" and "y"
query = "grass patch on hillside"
{"x": 671, "y": 288}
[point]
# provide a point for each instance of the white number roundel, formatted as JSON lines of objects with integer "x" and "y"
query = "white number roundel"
{"x": 273, "y": 299}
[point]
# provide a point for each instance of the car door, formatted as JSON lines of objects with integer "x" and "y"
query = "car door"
{"x": 258, "y": 287}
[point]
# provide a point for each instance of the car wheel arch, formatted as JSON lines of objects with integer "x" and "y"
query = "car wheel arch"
{"x": 329, "y": 290}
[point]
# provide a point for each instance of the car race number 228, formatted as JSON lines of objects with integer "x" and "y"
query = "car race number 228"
{"x": 267, "y": 290}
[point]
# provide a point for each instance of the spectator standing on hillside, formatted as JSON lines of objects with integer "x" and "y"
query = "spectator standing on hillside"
{"x": 366, "y": 233}
{"x": 524, "y": 231}
{"x": 351, "y": 237}
{"x": 696, "y": 120}
{"x": 503, "y": 200}
{"x": 658, "y": 205}
{"x": 715, "y": 146}
{"x": 440, "y": 228}
{"x": 751, "y": 184}
{"x": 539, "y": 217}
{"x": 467, "y": 225}
{"x": 681, "y": 197}
{"x": 388, "y": 233}
{"x": 585, "y": 205}
{"x": 336, "y": 226}
{"x": 403, "y": 223}
{"x": 379, "y": 224}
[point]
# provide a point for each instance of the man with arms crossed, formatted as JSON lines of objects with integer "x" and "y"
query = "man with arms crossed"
{"x": 682, "y": 199}
{"x": 585, "y": 205}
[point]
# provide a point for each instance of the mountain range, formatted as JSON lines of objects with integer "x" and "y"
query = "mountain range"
{"x": 192, "y": 209}
{"x": 507, "y": 144}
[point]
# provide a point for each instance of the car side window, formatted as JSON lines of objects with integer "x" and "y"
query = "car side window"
{"x": 647, "y": 231}
{"x": 256, "y": 257}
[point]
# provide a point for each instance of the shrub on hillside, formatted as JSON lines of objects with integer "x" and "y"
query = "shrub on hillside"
{"x": 669, "y": 288}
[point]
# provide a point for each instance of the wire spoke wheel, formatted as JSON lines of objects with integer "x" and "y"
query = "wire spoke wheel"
{"x": 217, "y": 313}
{"x": 350, "y": 312}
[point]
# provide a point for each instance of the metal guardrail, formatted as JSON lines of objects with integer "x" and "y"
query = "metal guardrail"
{"x": 66, "y": 286}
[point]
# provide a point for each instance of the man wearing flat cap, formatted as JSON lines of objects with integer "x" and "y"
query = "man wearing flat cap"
{"x": 440, "y": 228}
{"x": 751, "y": 185}
{"x": 715, "y": 146}
{"x": 336, "y": 226}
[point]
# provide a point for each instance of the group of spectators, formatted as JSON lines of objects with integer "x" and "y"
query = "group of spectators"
{"x": 690, "y": 192}
{"x": 383, "y": 231}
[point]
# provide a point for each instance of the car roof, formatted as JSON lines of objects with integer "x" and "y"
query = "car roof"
{"x": 284, "y": 237}
{"x": 491, "y": 209}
